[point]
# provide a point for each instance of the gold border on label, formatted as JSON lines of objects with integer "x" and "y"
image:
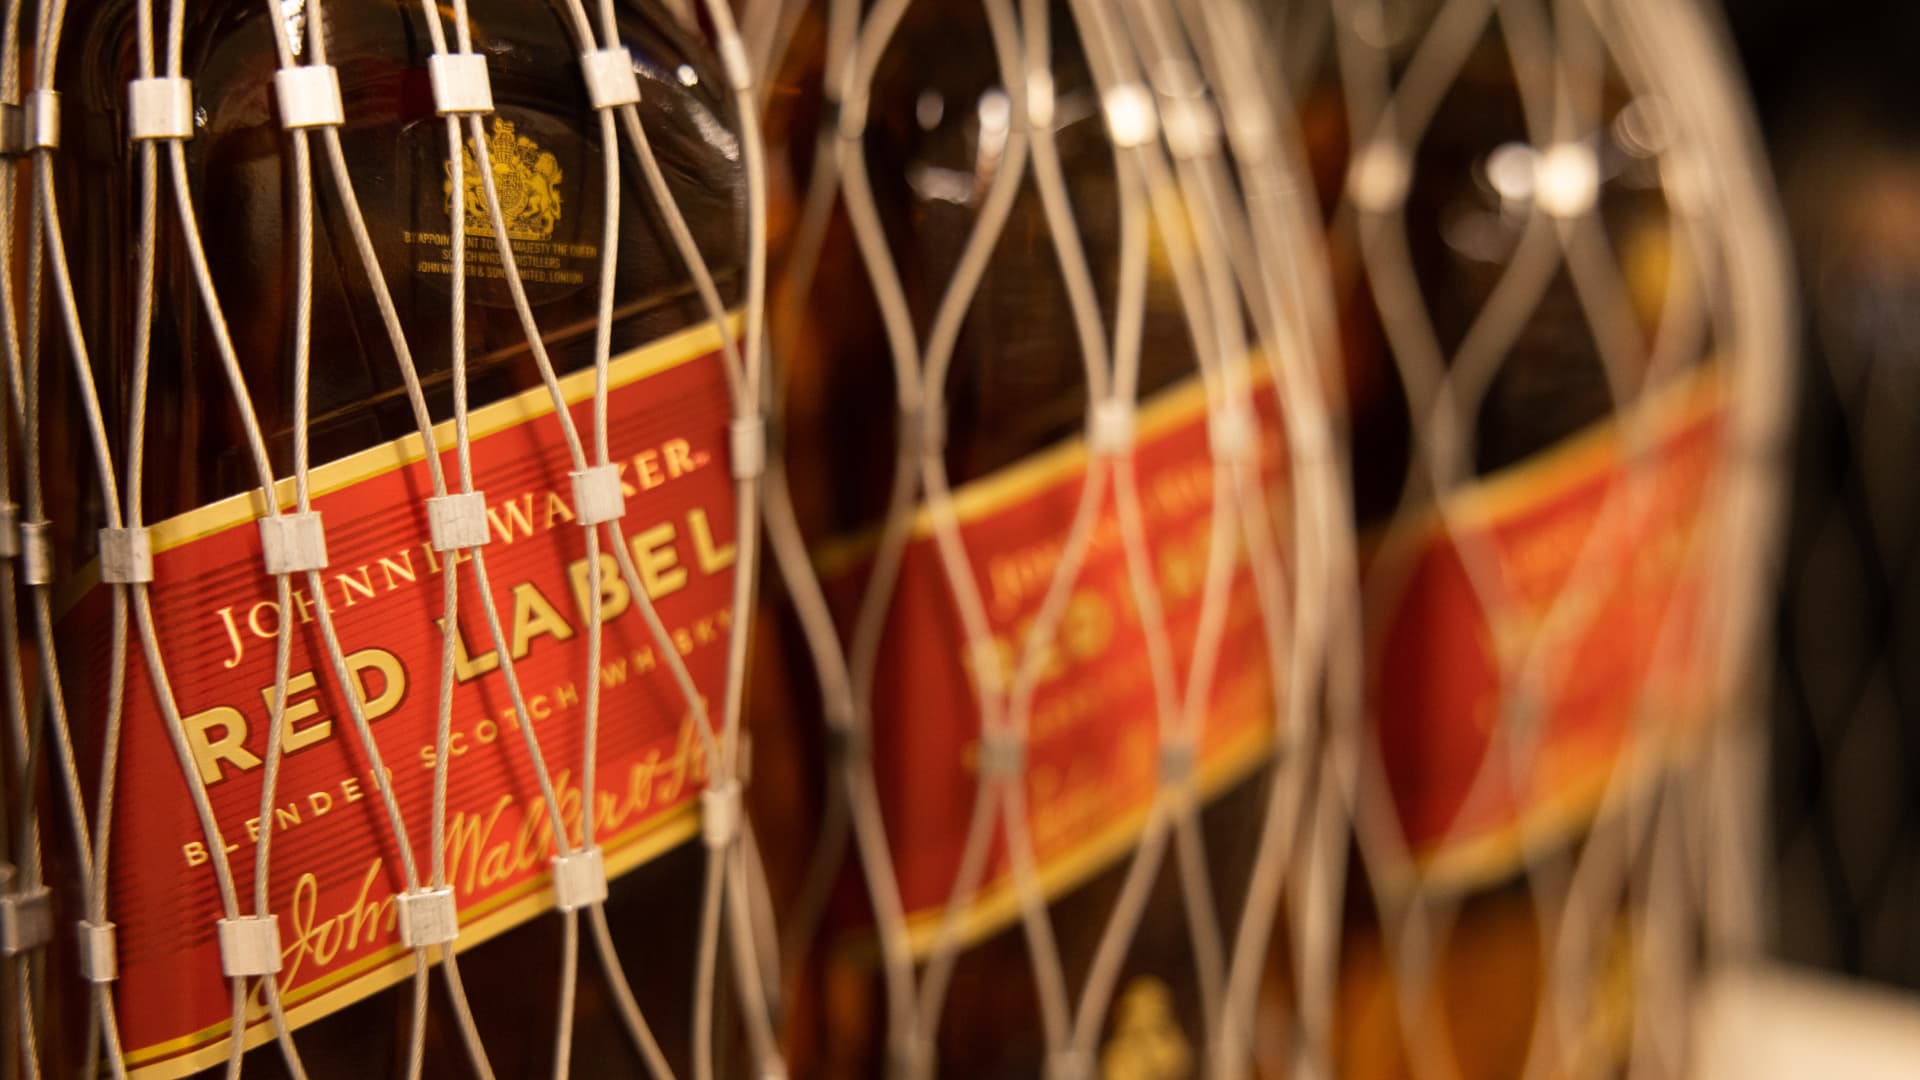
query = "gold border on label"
{"x": 1592, "y": 451}
{"x": 629, "y": 367}
{"x": 370, "y": 974}
{"x": 1180, "y": 403}
{"x": 997, "y": 905}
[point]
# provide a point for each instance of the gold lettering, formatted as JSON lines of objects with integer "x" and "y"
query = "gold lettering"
{"x": 679, "y": 457}
{"x": 518, "y": 516}
{"x": 295, "y": 738}
{"x": 647, "y": 463}
{"x": 393, "y": 679}
{"x": 349, "y": 585}
{"x": 368, "y": 918}
{"x": 467, "y": 668}
{"x": 533, "y": 616}
{"x": 208, "y": 751}
{"x": 403, "y": 568}
{"x": 614, "y": 596}
{"x": 710, "y": 557}
{"x": 253, "y": 619}
{"x": 660, "y": 572}
{"x": 468, "y": 836}
{"x": 233, "y": 635}
{"x": 1087, "y": 626}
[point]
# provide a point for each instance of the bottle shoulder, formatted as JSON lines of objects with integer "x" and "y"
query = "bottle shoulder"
{"x": 381, "y": 49}
{"x": 548, "y": 158}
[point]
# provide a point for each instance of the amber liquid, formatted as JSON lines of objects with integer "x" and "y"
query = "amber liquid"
{"x": 238, "y": 165}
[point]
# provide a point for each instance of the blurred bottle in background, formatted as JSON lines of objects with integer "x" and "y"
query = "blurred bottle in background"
{"x": 1446, "y": 697}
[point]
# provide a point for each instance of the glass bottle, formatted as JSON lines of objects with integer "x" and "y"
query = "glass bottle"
{"x": 1466, "y": 210}
{"x": 1016, "y": 390}
{"x": 542, "y": 132}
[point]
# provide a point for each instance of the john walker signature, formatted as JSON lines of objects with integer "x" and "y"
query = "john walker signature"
{"x": 487, "y": 849}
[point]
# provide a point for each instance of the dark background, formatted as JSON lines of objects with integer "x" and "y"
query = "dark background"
{"x": 1838, "y": 90}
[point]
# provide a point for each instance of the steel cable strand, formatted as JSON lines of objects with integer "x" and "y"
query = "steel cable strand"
{"x": 1000, "y": 719}
{"x": 256, "y": 445}
{"x": 743, "y": 379}
{"x": 626, "y": 1005}
{"x": 739, "y": 71}
{"x": 103, "y": 1029}
{"x": 1660, "y": 899}
{"x": 1398, "y": 116}
{"x": 1315, "y": 485}
{"x": 1108, "y": 59}
{"x": 1073, "y": 267}
{"x": 24, "y": 835}
{"x": 806, "y": 912}
{"x": 476, "y": 139}
{"x": 850, "y": 764}
{"x": 1202, "y": 180}
{"x": 302, "y": 339}
{"x": 918, "y": 407}
{"x": 144, "y": 616}
{"x": 1522, "y": 664}
{"x": 1759, "y": 289}
{"x": 734, "y": 377}
{"x": 357, "y": 228}
{"x": 1680, "y": 54}
{"x": 1197, "y": 898}
{"x": 1570, "y": 914}
{"x": 910, "y": 1032}
{"x": 1203, "y": 307}
{"x": 92, "y": 854}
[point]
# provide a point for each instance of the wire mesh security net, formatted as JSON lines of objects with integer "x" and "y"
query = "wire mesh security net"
{"x": 1125, "y": 610}
{"x": 255, "y": 324}
{"x": 1264, "y": 517}
{"x": 1557, "y": 233}
{"x": 1565, "y": 320}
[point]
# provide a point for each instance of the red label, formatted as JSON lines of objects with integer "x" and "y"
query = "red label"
{"x": 1091, "y": 761}
{"x": 334, "y": 861}
{"x": 1629, "y": 645}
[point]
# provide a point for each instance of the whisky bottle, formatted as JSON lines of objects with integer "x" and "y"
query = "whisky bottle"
{"x": 1550, "y": 440}
{"x": 669, "y": 406}
{"x": 1016, "y": 405}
